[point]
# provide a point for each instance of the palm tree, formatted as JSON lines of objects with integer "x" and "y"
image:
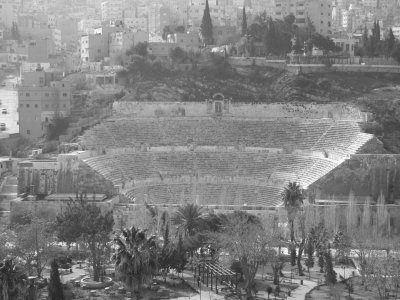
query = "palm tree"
{"x": 189, "y": 219}
{"x": 135, "y": 257}
{"x": 292, "y": 197}
{"x": 12, "y": 280}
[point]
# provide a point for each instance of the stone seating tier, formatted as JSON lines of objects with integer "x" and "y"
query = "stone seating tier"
{"x": 158, "y": 166}
{"x": 206, "y": 194}
{"x": 320, "y": 134}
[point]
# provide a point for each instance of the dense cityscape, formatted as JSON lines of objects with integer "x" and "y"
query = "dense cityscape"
{"x": 182, "y": 149}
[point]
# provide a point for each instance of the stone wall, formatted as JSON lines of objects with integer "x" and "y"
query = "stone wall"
{"x": 317, "y": 68}
{"x": 338, "y": 111}
{"x": 70, "y": 175}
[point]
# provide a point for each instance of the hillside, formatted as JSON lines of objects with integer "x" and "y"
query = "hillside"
{"x": 374, "y": 93}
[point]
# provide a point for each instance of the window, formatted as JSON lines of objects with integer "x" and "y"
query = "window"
{"x": 65, "y": 94}
{"x": 28, "y": 105}
{"x": 28, "y": 132}
{"x": 64, "y": 105}
{"x": 21, "y": 105}
{"x": 46, "y": 94}
{"x": 46, "y": 105}
{"x": 46, "y": 119}
{"x": 36, "y": 106}
{"x": 27, "y": 94}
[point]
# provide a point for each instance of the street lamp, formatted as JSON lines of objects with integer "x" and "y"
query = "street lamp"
{"x": 344, "y": 271}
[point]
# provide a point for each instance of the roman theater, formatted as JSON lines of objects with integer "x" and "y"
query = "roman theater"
{"x": 218, "y": 154}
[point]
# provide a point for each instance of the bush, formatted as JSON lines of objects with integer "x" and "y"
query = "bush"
{"x": 57, "y": 127}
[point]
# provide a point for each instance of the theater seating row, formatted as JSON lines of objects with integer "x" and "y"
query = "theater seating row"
{"x": 207, "y": 194}
{"x": 140, "y": 166}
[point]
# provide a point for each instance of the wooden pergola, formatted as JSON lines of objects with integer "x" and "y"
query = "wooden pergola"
{"x": 210, "y": 273}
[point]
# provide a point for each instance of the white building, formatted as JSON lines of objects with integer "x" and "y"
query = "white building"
{"x": 87, "y": 26}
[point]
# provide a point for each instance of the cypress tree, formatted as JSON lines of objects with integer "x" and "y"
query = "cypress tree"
{"x": 391, "y": 40}
{"x": 244, "y": 22}
{"x": 321, "y": 262}
{"x": 378, "y": 32}
{"x": 206, "y": 27}
{"x": 54, "y": 287}
{"x": 330, "y": 276}
{"x": 270, "y": 37}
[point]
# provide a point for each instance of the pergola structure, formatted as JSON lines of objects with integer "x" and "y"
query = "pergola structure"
{"x": 210, "y": 273}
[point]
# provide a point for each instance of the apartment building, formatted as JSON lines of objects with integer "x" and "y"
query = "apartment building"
{"x": 318, "y": 11}
{"x": 41, "y": 98}
{"x": 87, "y": 26}
{"x": 112, "y": 10}
{"x": 121, "y": 41}
{"x": 9, "y": 12}
{"x": 187, "y": 41}
{"x": 137, "y": 23}
{"x": 93, "y": 47}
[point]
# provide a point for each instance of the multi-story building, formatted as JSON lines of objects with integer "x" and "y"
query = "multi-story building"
{"x": 9, "y": 12}
{"x": 87, "y": 26}
{"x": 137, "y": 23}
{"x": 93, "y": 47}
{"x": 112, "y": 10}
{"x": 186, "y": 40}
{"x": 320, "y": 14}
{"x": 121, "y": 41}
{"x": 318, "y": 11}
{"x": 40, "y": 100}
{"x": 153, "y": 15}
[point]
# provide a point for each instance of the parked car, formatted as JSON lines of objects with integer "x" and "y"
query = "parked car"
{"x": 2, "y": 126}
{"x": 4, "y": 111}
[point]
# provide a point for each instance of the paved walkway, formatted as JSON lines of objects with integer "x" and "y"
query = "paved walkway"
{"x": 77, "y": 273}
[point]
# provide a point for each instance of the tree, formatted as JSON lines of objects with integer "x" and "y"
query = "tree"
{"x": 206, "y": 27}
{"x": 135, "y": 257}
{"x": 54, "y": 287}
{"x": 396, "y": 52}
{"x": 180, "y": 29}
{"x": 365, "y": 40}
{"x": 166, "y": 32}
{"x": 85, "y": 222}
{"x": 330, "y": 277}
{"x": 323, "y": 43}
{"x": 139, "y": 49}
{"x": 321, "y": 261}
{"x": 310, "y": 253}
{"x": 35, "y": 244}
{"x": 178, "y": 55}
{"x": 12, "y": 280}
{"x": 390, "y": 43}
{"x": 57, "y": 127}
{"x": 270, "y": 37}
{"x": 246, "y": 240}
{"x": 189, "y": 219}
{"x": 292, "y": 197}
{"x": 244, "y": 22}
